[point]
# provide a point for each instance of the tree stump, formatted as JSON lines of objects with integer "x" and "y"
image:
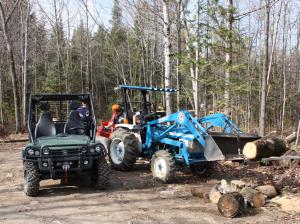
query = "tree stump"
{"x": 231, "y": 204}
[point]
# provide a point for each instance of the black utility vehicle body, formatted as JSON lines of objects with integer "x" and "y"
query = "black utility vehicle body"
{"x": 62, "y": 131}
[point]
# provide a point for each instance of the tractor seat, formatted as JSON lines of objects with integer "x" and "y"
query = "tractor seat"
{"x": 74, "y": 124}
{"x": 45, "y": 126}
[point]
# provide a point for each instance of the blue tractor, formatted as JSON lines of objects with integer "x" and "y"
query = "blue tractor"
{"x": 166, "y": 141}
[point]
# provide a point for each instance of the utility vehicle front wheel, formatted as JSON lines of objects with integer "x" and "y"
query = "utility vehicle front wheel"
{"x": 102, "y": 174}
{"x": 31, "y": 179}
{"x": 122, "y": 149}
{"x": 163, "y": 166}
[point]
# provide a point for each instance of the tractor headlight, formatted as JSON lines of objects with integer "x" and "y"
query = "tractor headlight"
{"x": 46, "y": 151}
{"x": 30, "y": 152}
{"x": 98, "y": 148}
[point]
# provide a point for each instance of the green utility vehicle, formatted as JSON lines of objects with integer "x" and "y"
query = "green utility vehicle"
{"x": 62, "y": 130}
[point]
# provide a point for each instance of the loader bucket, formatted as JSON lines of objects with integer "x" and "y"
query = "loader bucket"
{"x": 212, "y": 151}
{"x": 232, "y": 145}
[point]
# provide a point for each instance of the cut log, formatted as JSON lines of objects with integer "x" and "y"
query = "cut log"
{"x": 214, "y": 194}
{"x": 263, "y": 148}
{"x": 253, "y": 197}
{"x": 237, "y": 185}
{"x": 268, "y": 190}
{"x": 292, "y": 137}
{"x": 197, "y": 192}
{"x": 231, "y": 204}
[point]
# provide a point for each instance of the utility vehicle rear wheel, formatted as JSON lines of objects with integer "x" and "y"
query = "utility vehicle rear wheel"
{"x": 204, "y": 169}
{"x": 102, "y": 174}
{"x": 31, "y": 179}
{"x": 163, "y": 166}
{"x": 122, "y": 149}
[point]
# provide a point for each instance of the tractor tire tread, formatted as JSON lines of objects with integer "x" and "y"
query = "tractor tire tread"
{"x": 170, "y": 163}
{"x": 206, "y": 169}
{"x": 131, "y": 149}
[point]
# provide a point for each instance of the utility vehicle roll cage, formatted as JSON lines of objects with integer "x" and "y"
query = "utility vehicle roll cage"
{"x": 45, "y": 97}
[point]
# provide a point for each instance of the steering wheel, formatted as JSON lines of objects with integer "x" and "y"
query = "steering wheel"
{"x": 150, "y": 115}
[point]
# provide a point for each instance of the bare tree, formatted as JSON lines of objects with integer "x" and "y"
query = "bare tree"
{"x": 197, "y": 53}
{"x": 167, "y": 50}
{"x": 25, "y": 67}
{"x": 5, "y": 18}
{"x": 265, "y": 69}
{"x": 228, "y": 55}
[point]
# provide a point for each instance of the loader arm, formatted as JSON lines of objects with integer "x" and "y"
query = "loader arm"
{"x": 172, "y": 129}
{"x": 219, "y": 120}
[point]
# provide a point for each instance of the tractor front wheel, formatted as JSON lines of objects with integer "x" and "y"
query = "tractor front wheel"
{"x": 122, "y": 149}
{"x": 163, "y": 166}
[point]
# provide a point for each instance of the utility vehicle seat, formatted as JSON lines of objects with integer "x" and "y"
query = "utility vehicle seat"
{"x": 74, "y": 124}
{"x": 45, "y": 125}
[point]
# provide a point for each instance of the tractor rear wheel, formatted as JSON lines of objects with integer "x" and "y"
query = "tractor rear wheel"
{"x": 31, "y": 179}
{"x": 204, "y": 169}
{"x": 123, "y": 147}
{"x": 163, "y": 166}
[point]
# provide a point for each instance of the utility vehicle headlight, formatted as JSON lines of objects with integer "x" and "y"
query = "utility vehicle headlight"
{"x": 37, "y": 152}
{"x": 30, "y": 152}
{"x": 46, "y": 151}
{"x": 92, "y": 150}
{"x": 83, "y": 149}
{"x": 98, "y": 148}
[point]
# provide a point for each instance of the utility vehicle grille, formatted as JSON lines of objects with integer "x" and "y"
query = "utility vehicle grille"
{"x": 65, "y": 152}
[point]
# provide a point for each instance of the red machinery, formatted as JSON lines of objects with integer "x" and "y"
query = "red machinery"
{"x": 106, "y": 131}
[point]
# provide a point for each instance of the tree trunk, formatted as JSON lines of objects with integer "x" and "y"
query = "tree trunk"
{"x": 263, "y": 148}
{"x": 197, "y": 50}
{"x": 1, "y": 101}
{"x": 284, "y": 46}
{"x": 25, "y": 67}
{"x": 228, "y": 55}
{"x": 167, "y": 50}
{"x": 265, "y": 69}
{"x": 12, "y": 68}
{"x": 231, "y": 204}
{"x": 178, "y": 61}
{"x": 88, "y": 73}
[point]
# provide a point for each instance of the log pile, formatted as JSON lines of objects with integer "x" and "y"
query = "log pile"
{"x": 236, "y": 197}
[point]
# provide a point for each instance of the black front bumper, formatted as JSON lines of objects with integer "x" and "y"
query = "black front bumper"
{"x": 52, "y": 167}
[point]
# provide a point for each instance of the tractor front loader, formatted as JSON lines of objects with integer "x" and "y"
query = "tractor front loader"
{"x": 178, "y": 138}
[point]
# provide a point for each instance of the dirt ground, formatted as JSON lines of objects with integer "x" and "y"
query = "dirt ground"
{"x": 133, "y": 197}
